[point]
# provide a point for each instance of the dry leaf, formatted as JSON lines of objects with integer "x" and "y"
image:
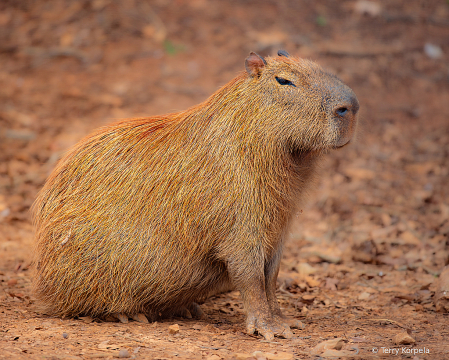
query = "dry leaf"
{"x": 333, "y": 344}
{"x": 213, "y": 357}
{"x": 372, "y": 8}
{"x": 242, "y": 356}
{"x": 104, "y": 345}
{"x": 331, "y": 284}
{"x": 305, "y": 269}
{"x": 272, "y": 356}
{"x": 364, "y": 296}
{"x": 332, "y": 255}
{"x": 409, "y": 238}
{"x": 360, "y": 173}
{"x": 12, "y": 282}
{"x": 421, "y": 169}
{"x": 312, "y": 282}
{"x": 383, "y": 232}
{"x": 153, "y": 32}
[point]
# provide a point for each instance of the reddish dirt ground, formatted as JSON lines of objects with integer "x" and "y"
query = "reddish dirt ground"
{"x": 362, "y": 263}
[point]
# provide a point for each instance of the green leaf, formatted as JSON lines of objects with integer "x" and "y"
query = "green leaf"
{"x": 321, "y": 20}
{"x": 171, "y": 48}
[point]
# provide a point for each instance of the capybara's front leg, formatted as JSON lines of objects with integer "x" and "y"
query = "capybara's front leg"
{"x": 247, "y": 273}
{"x": 271, "y": 272}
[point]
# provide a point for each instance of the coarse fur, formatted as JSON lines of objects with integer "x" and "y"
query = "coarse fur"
{"x": 152, "y": 214}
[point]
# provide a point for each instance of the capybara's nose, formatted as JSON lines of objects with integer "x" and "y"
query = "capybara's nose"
{"x": 348, "y": 107}
{"x": 345, "y": 117}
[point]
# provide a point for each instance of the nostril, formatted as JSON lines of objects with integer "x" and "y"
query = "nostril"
{"x": 342, "y": 111}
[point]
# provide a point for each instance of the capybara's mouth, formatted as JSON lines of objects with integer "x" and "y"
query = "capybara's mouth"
{"x": 340, "y": 146}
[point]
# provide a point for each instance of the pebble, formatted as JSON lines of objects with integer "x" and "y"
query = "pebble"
{"x": 124, "y": 354}
{"x": 403, "y": 339}
{"x": 433, "y": 51}
{"x": 173, "y": 329}
{"x": 65, "y": 335}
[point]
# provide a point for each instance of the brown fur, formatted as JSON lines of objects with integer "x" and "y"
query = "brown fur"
{"x": 150, "y": 215}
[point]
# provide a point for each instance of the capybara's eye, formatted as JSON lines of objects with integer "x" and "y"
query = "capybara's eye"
{"x": 284, "y": 81}
{"x": 342, "y": 111}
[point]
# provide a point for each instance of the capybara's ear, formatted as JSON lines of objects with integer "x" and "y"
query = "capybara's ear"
{"x": 283, "y": 53}
{"x": 254, "y": 64}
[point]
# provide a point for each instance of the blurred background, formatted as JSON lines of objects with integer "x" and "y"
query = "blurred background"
{"x": 69, "y": 66}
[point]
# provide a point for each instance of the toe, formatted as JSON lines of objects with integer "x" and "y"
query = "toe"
{"x": 140, "y": 318}
{"x": 287, "y": 333}
{"x": 267, "y": 334}
{"x": 250, "y": 329}
{"x": 197, "y": 312}
{"x": 296, "y": 324}
{"x": 250, "y": 325}
{"x": 122, "y": 318}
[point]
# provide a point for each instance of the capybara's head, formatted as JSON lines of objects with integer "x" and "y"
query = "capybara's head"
{"x": 314, "y": 110}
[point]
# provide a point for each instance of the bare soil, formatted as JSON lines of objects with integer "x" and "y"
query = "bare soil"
{"x": 363, "y": 257}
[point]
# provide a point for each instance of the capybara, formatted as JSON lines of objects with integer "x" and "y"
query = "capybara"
{"x": 153, "y": 215}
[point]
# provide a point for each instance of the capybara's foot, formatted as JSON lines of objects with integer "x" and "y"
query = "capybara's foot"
{"x": 140, "y": 318}
{"x": 268, "y": 328}
{"x": 197, "y": 312}
{"x": 122, "y": 318}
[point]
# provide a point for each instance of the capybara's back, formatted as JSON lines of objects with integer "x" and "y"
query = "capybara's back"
{"x": 125, "y": 222}
{"x": 153, "y": 214}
